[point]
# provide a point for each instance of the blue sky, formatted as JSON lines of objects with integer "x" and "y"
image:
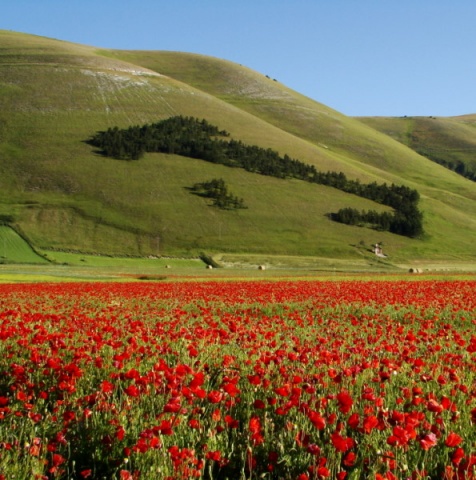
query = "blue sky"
{"x": 361, "y": 57}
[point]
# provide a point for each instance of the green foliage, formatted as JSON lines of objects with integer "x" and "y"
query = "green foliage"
{"x": 409, "y": 223}
{"x": 217, "y": 190}
{"x": 180, "y": 135}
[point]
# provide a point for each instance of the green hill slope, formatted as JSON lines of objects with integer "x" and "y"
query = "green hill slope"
{"x": 54, "y": 95}
{"x": 451, "y": 142}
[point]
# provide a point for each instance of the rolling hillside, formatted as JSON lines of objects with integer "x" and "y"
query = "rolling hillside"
{"x": 63, "y": 195}
{"x": 450, "y": 142}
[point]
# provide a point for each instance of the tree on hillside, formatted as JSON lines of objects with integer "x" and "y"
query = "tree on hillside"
{"x": 217, "y": 190}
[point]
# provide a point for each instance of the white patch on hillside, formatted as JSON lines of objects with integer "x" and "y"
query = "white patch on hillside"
{"x": 112, "y": 87}
{"x": 122, "y": 81}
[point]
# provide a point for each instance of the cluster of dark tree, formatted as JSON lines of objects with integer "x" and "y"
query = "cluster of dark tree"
{"x": 406, "y": 219}
{"x": 409, "y": 224}
{"x": 196, "y": 138}
{"x": 455, "y": 165}
{"x": 180, "y": 135}
{"x": 217, "y": 190}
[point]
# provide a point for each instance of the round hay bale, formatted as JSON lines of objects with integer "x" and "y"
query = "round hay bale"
{"x": 262, "y": 267}
{"x": 209, "y": 267}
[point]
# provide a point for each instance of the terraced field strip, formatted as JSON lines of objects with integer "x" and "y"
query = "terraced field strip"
{"x": 13, "y": 248}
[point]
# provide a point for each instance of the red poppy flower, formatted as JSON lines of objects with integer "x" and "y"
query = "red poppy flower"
{"x": 341, "y": 444}
{"x": 323, "y": 472}
{"x": 457, "y": 456}
{"x": 434, "y": 406}
{"x": 353, "y": 421}
{"x": 120, "y": 432}
{"x": 231, "y": 389}
{"x": 283, "y": 391}
{"x": 302, "y": 439}
{"x": 370, "y": 422}
{"x": 57, "y": 459}
{"x": 317, "y": 420}
{"x": 215, "y": 396}
{"x": 194, "y": 424}
{"x": 107, "y": 387}
{"x": 214, "y": 455}
{"x": 349, "y": 459}
{"x": 428, "y": 441}
{"x": 453, "y": 440}
{"x": 255, "y": 429}
{"x": 345, "y": 401}
{"x": 313, "y": 449}
{"x": 255, "y": 424}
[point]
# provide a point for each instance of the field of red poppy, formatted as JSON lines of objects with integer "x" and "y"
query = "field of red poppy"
{"x": 238, "y": 380}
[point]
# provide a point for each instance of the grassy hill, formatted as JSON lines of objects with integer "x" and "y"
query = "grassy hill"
{"x": 54, "y": 95}
{"x": 448, "y": 141}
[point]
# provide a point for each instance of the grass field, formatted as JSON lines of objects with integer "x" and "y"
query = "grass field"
{"x": 76, "y": 267}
